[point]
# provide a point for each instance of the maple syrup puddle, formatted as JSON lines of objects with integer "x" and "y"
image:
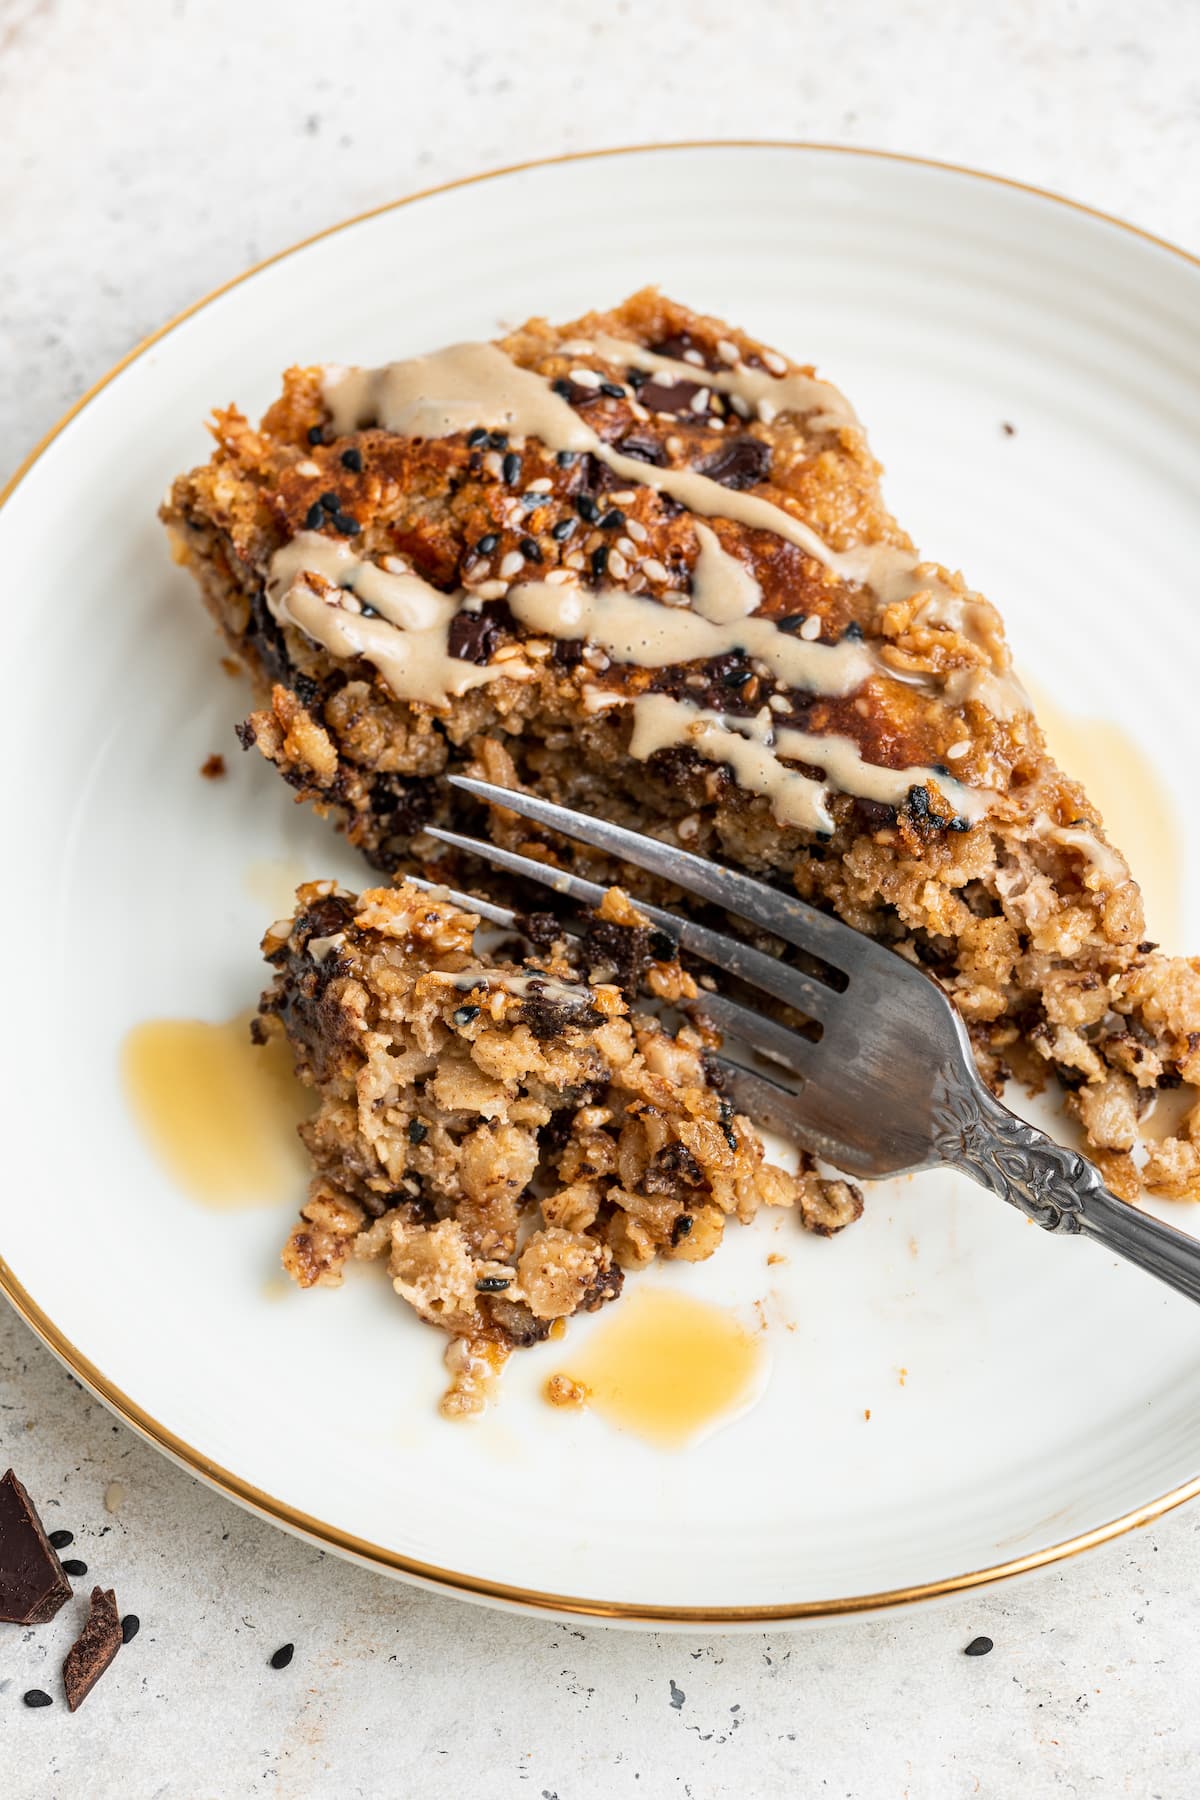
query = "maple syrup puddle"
{"x": 670, "y": 1368}
{"x": 1133, "y": 803}
{"x": 219, "y": 1111}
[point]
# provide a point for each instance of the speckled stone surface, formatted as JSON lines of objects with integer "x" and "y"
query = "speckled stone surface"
{"x": 152, "y": 148}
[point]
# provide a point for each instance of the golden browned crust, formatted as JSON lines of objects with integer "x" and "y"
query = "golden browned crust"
{"x": 1034, "y": 927}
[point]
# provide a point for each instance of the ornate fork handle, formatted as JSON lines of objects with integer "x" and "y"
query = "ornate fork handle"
{"x": 1058, "y": 1189}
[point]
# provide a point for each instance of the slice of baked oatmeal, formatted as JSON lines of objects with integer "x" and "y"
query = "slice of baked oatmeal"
{"x": 641, "y": 563}
{"x": 512, "y": 1135}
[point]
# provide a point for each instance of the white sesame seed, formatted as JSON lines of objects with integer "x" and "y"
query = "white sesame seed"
{"x": 491, "y": 590}
{"x": 695, "y": 681}
{"x": 543, "y": 485}
{"x": 617, "y": 565}
{"x": 699, "y": 400}
{"x": 811, "y": 628}
{"x": 636, "y": 530}
{"x": 623, "y": 497}
{"x": 959, "y": 749}
{"x": 674, "y": 597}
{"x": 626, "y": 546}
{"x": 726, "y": 351}
{"x": 508, "y": 653}
{"x": 512, "y": 564}
{"x": 351, "y": 603}
{"x": 638, "y": 410}
{"x": 558, "y": 577}
{"x": 688, "y": 829}
{"x": 740, "y": 405}
{"x": 766, "y": 411}
{"x": 862, "y": 707}
{"x": 308, "y": 467}
{"x": 715, "y": 424}
{"x": 493, "y": 465}
{"x": 774, "y": 362}
{"x": 587, "y": 378}
{"x": 655, "y": 570}
{"x": 778, "y": 704}
{"x": 573, "y": 559}
{"x": 694, "y": 356}
{"x": 674, "y": 445}
{"x": 595, "y": 657}
{"x": 398, "y": 565}
{"x": 538, "y": 648}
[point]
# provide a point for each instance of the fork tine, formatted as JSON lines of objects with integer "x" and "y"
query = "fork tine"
{"x": 771, "y": 1104}
{"x": 784, "y": 915}
{"x": 495, "y": 915}
{"x": 766, "y": 1037}
{"x": 807, "y": 995}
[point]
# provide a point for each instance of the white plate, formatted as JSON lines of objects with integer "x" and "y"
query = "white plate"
{"x": 1050, "y": 1396}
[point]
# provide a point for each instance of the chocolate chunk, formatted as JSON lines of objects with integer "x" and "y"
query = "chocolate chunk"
{"x": 93, "y": 1649}
{"x": 33, "y": 1584}
{"x": 677, "y": 346}
{"x": 669, "y": 396}
{"x": 642, "y": 447}
{"x": 741, "y": 462}
{"x": 472, "y": 637}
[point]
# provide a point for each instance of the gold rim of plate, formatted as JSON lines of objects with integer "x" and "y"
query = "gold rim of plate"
{"x": 317, "y": 1531}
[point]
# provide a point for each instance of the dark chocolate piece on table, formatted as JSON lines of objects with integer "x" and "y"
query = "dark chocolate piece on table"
{"x": 32, "y": 1583}
{"x": 94, "y": 1648}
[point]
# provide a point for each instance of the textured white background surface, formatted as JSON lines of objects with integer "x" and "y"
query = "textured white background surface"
{"x": 151, "y": 150}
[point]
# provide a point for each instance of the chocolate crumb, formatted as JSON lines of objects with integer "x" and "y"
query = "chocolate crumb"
{"x": 130, "y": 1626}
{"x": 213, "y": 767}
{"x": 93, "y": 1649}
{"x": 978, "y": 1646}
{"x": 1007, "y": 429}
{"x": 33, "y": 1583}
{"x": 283, "y": 1656}
{"x": 36, "y": 1697}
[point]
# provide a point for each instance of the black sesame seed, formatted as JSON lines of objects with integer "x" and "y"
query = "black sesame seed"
{"x": 316, "y": 434}
{"x": 510, "y": 468}
{"x": 586, "y": 507}
{"x": 130, "y": 1626}
{"x": 60, "y": 1539}
{"x": 792, "y": 622}
{"x": 283, "y": 1656}
{"x": 530, "y": 550}
{"x": 662, "y": 945}
{"x": 75, "y": 1567}
{"x": 331, "y": 500}
{"x": 352, "y": 460}
{"x": 36, "y": 1697}
{"x": 563, "y": 529}
{"x": 682, "y": 1227}
{"x": 566, "y": 457}
{"x": 563, "y": 388}
{"x": 737, "y": 678}
{"x": 613, "y": 389}
{"x": 487, "y": 543}
{"x": 348, "y": 526}
{"x": 613, "y": 521}
{"x": 492, "y": 1284}
{"x": 464, "y": 1014}
{"x": 600, "y": 561}
{"x": 418, "y": 1131}
{"x": 854, "y": 631}
{"x": 979, "y": 1646}
{"x": 314, "y": 518}
{"x": 497, "y": 440}
{"x": 476, "y": 437}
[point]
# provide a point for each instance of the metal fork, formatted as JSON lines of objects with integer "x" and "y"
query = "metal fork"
{"x": 889, "y": 1086}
